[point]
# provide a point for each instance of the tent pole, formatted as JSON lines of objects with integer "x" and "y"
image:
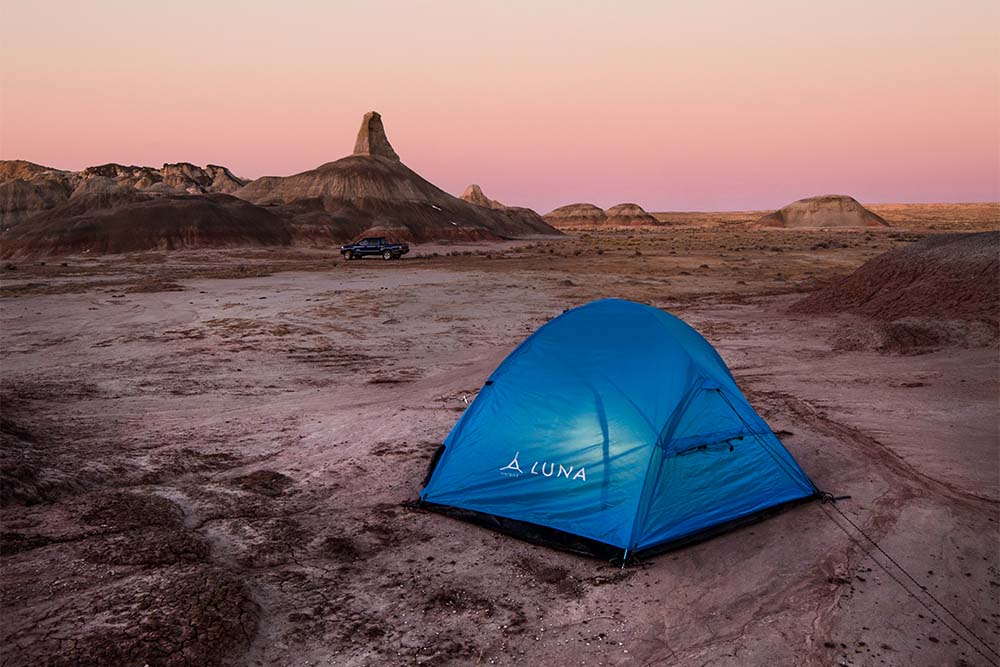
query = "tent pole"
{"x": 624, "y": 558}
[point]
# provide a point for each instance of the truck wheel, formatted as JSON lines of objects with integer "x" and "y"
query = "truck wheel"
{"x": 387, "y": 255}
{"x": 348, "y": 255}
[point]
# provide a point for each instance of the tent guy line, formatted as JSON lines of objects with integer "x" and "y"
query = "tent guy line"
{"x": 828, "y": 499}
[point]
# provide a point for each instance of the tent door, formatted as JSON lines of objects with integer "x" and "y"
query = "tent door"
{"x": 709, "y": 424}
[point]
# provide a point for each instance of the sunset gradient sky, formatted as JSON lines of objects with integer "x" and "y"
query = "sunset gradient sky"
{"x": 719, "y": 105}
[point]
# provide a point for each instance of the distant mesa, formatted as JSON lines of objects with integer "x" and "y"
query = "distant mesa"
{"x": 23, "y": 170}
{"x": 195, "y": 180}
{"x": 98, "y": 184}
{"x": 27, "y": 188}
{"x": 576, "y": 215}
{"x": 826, "y": 211}
{"x": 587, "y": 215}
{"x": 373, "y": 189}
{"x": 114, "y": 208}
{"x": 629, "y": 215}
{"x": 175, "y": 178}
{"x": 475, "y": 195}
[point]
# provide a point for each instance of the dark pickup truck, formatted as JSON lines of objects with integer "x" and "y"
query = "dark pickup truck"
{"x": 375, "y": 245}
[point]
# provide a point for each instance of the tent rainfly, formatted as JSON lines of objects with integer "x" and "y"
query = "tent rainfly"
{"x": 614, "y": 430}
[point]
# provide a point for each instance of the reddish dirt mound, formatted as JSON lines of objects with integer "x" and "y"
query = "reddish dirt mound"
{"x": 134, "y": 587}
{"x": 266, "y": 482}
{"x": 127, "y": 221}
{"x": 944, "y": 277}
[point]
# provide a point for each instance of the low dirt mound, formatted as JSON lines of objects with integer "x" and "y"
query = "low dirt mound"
{"x": 122, "y": 220}
{"x": 29, "y": 472}
{"x": 266, "y": 482}
{"x": 190, "y": 613}
{"x": 35, "y": 464}
{"x": 911, "y": 336}
{"x": 943, "y": 277}
{"x": 822, "y": 212}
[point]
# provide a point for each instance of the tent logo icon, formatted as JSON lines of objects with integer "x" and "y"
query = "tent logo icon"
{"x": 543, "y": 468}
{"x": 513, "y": 468}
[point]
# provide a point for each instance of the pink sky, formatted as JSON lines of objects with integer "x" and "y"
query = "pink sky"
{"x": 724, "y": 106}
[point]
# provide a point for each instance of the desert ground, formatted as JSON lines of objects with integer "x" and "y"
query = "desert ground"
{"x": 209, "y": 455}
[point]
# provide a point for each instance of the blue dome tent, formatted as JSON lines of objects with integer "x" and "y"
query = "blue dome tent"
{"x": 614, "y": 430}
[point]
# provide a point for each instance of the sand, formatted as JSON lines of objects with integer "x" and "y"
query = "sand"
{"x": 221, "y": 444}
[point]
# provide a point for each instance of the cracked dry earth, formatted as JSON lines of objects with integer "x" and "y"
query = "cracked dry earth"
{"x": 215, "y": 474}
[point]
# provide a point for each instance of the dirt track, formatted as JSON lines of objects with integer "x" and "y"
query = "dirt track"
{"x": 215, "y": 472}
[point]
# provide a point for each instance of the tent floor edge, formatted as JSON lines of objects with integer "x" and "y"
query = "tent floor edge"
{"x": 583, "y": 546}
{"x": 530, "y": 532}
